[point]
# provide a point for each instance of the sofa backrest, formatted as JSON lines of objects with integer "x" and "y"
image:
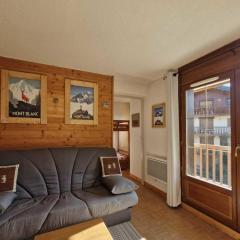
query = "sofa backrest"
{"x": 53, "y": 171}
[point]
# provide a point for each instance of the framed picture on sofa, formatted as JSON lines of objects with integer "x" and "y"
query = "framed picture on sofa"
{"x": 159, "y": 115}
{"x": 23, "y": 97}
{"x": 81, "y": 102}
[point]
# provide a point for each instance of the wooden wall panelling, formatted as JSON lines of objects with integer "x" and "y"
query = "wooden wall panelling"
{"x": 56, "y": 133}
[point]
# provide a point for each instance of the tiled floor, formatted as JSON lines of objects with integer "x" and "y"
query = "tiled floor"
{"x": 156, "y": 221}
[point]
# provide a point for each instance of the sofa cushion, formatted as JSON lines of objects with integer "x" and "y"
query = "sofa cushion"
{"x": 119, "y": 184}
{"x": 93, "y": 171}
{"x": 8, "y": 178}
{"x": 6, "y": 199}
{"x": 110, "y": 166}
{"x": 26, "y": 217}
{"x": 68, "y": 210}
{"x": 102, "y": 203}
{"x": 37, "y": 174}
{"x": 42, "y": 161}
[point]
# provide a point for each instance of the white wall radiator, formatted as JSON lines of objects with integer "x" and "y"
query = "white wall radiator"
{"x": 157, "y": 167}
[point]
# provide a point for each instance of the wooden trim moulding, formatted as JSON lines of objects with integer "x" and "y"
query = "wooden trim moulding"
{"x": 112, "y": 112}
{"x": 155, "y": 189}
{"x": 210, "y": 56}
{"x": 135, "y": 178}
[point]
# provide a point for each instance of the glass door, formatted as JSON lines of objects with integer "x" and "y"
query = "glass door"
{"x": 208, "y": 133}
{"x": 208, "y": 127}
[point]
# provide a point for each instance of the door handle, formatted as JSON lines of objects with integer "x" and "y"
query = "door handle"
{"x": 236, "y": 150}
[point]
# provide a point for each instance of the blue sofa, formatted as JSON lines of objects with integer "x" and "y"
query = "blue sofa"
{"x": 58, "y": 188}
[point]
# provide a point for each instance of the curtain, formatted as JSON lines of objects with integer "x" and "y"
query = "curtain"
{"x": 173, "y": 153}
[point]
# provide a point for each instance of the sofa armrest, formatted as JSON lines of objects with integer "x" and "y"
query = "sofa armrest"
{"x": 119, "y": 184}
{"x": 6, "y": 199}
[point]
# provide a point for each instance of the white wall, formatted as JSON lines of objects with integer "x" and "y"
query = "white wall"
{"x": 128, "y": 86}
{"x": 132, "y": 90}
{"x": 196, "y": 122}
{"x": 136, "y": 141}
{"x": 123, "y": 141}
{"x": 155, "y": 139}
{"x": 121, "y": 111}
{"x": 115, "y": 140}
{"x": 220, "y": 121}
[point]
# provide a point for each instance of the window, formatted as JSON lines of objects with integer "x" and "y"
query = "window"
{"x": 208, "y": 155}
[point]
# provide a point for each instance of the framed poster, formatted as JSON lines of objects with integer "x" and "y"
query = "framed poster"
{"x": 23, "y": 97}
{"x": 159, "y": 115}
{"x": 81, "y": 102}
{"x": 136, "y": 120}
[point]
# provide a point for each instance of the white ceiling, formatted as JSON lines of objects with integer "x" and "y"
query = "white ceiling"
{"x": 133, "y": 38}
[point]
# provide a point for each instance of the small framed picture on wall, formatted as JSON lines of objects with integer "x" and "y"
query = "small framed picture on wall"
{"x": 136, "y": 120}
{"x": 23, "y": 97}
{"x": 81, "y": 102}
{"x": 159, "y": 115}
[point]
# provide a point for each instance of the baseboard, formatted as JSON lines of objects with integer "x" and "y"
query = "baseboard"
{"x": 212, "y": 221}
{"x": 148, "y": 185}
{"x": 155, "y": 189}
{"x": 135, "y": 178}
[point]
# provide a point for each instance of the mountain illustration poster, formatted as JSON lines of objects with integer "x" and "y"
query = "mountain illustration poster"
{"x": 22, "y": 97}
{"x": 81, "y": 102}
{"x": 159, "y": 115}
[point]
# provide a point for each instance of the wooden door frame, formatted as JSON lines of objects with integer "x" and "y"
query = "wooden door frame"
{"x": 237, "y": 91}
{"x": 184, "y": 177}
{"x": 142, "y": 122}
{"x": 224, "y": 59}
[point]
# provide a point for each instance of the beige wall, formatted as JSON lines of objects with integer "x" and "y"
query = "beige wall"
{"x": 155, "y": 139}
{"x": 121, "y": 111}
{"x": 136, "y": 141}
{"x": 127, "y": 86}
{"x": 148, "y": 140}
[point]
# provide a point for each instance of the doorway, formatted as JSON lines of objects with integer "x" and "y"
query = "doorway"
{"x": 121, "y": 133}
{"x": 121, "y": 142}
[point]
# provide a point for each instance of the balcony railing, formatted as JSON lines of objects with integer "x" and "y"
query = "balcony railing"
{"x": 212, "y": 164}
{"x": 210, "y": 111}
{"x": 203, "y": 111}
{"x": 216, "y": 131}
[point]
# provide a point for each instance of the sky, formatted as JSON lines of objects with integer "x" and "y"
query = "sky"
{"x": 34, "y": 83}
{"x": 79, "y": 89}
